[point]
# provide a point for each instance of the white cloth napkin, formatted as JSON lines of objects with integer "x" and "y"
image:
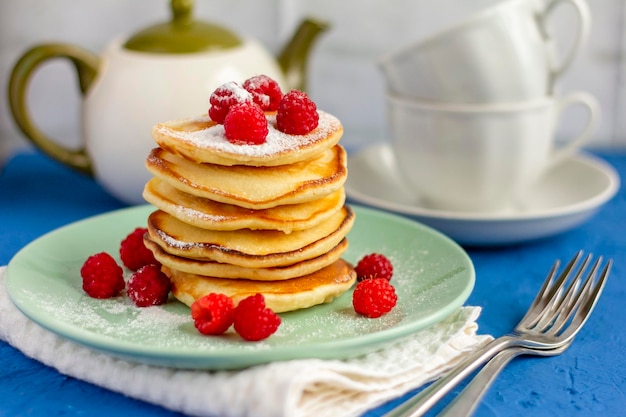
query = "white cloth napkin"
{"x": 298, "y": 388}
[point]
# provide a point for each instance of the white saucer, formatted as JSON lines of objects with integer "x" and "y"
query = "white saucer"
{"x": 565, "y": 198}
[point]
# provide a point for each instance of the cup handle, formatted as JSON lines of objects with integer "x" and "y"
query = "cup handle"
{"x": 573, "y": 145}
{"x": 86, "y": 64}
{"x": 584, "y": 16}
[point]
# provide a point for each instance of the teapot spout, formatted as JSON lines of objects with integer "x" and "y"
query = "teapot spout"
{"x": 294, "y": 56}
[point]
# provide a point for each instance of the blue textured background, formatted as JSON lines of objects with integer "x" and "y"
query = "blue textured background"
{"x": 37, "y": 196}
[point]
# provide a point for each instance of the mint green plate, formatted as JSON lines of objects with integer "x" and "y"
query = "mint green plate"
{"x": 433, "y": 277}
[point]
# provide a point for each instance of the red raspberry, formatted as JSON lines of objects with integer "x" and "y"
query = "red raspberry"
{"x": 265, "y": 92}
{"x": 374, "y": 297}
{"x": 149, "y": 286}
{"x": 134, "y": 253}
{"x": 213, "y": 313}
{"x": 225, "y": 96}
{"x": 246, "y": 124}
{"x": 374, "y": 265}
{"x": 297, "y": 114}
{"x": 253, "y": 321}
{"x": 102, "y": 276}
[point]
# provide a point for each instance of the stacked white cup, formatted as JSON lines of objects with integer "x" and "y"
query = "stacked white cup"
{"x": 472, "y": 110}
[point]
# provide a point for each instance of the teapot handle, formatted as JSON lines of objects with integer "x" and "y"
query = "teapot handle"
{"x": 86, "y": 64}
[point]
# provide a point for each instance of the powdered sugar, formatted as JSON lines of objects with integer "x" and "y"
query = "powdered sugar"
{"x": 276, "y": 143}
{"x": 116, "y": 317}
{"x": 232, "y": 90}
{"x": 265, "y": 91}
{"x": 175, "y": 243}
{"x": 257, "y": 82}
{"x": 189, "y": 213}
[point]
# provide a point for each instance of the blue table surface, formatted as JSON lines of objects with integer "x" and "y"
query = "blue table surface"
{"x": 38, "y": 195}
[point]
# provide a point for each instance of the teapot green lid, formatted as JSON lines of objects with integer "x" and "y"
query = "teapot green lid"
{"x": 182, "y": 34}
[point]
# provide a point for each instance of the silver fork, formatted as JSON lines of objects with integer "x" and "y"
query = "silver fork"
{"x": 466, "y": 402}
{"x": 558, "y": 312}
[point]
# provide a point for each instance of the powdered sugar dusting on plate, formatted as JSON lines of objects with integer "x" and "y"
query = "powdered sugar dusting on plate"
{"x": 166, "y": 326}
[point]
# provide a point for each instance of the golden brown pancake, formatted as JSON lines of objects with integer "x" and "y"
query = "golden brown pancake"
{"x": 209, "y": 214}
{"x": 182, "y": 239}
{"x": 202, "y": 140}
{"x": 321, "y": 286}
{"x": 253, "y": 187}
{"x": 245, "y": 247}
{"x": 222, "y": 270}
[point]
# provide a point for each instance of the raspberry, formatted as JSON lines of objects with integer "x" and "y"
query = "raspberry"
{"x": 134, "y": 253}
{"x": 102, "y": 276}
{"x": 297, "y": 114}
{"x": 213, "y": 313}
{"x": 225, "y": 96}
{"x": 246, "y": 124}
{"x": 149, "y": 286}
{"x": 265, "y": 92}
{"x": 374, "y": 297}
{"x": 253, "y": 321}
{"x": 374, "y": 265}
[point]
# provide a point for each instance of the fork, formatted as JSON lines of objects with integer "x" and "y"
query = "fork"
{"x": 465, "y": 403}
{"x": 558, "y": 312}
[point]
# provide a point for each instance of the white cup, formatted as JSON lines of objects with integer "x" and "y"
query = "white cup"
{"x": 501, "y": 54}
{"x": 479, "y": 158}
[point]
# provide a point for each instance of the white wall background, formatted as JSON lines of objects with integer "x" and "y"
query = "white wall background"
{"x": 344, "y": 78}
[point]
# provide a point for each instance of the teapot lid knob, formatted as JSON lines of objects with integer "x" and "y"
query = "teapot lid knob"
{"x": 182, "y": 34}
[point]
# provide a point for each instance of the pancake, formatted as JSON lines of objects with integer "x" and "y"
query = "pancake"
{"x": 271, "y": 186}
{"x": 245, "y": 247}
{"x": 209, "y": 214}
{"x": 319, "y": 287}
{"x": 202, "y": 140}
{"x": 222, "y": 270}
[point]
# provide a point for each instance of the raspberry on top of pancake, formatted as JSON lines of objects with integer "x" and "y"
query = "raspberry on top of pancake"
{"x": 252, "y": 124}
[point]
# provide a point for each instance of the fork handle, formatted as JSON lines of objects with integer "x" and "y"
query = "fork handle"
{"x": 422, "y": 402}
{"x": 465, "y": 403}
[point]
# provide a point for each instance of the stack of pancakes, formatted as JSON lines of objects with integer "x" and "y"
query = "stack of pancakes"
{"x": 247, "y": 219}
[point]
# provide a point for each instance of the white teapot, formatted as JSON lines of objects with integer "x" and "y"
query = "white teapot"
{"x": 164, "y": 72}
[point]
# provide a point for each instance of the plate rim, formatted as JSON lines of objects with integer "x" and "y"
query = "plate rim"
{"x": 158, "y": 354}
